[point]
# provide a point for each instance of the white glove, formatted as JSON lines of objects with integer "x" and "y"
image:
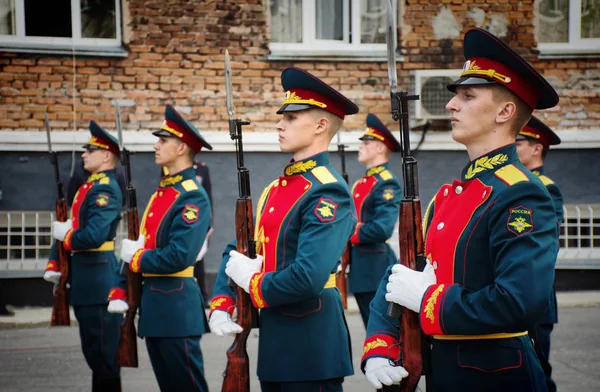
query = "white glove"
{"x": 406, "y": 287}
{"x": 204, "y": 248}
{"x": 117, "y": 306}
{"x": 240, "y": 268}
{"x": 52, "y": 276}
{"x": 129, "y": 247}
{"x": 59, "y": 229}
{"x": 220, "y": 324}
{"x": 380, "y": 371}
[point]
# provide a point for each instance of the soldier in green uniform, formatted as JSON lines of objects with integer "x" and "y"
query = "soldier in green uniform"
{"x": 89, "y": 236}
{"x": 172, "y": 231}
{"x": 303, "y": 222}
{"x": 533, "y": 143}
{"x": 376, "y": 198}
{"x": 491, "y": 241}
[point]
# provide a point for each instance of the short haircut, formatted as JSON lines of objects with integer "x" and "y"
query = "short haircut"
{"x": 522, "y": 113}
{"x": 335, "y": 122}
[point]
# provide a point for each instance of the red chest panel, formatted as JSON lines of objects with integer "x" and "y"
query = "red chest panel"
{"x": 455, "y": 206}
{"x": 78, "y": 201}
{"x": 160, "y": 203}
{"x": 282, "y": 198}
{"x": 360, "y": 193}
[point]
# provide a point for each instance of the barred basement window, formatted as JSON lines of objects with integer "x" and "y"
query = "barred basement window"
{"x": 61, "y": 25}
{"x": 25, "y": 242}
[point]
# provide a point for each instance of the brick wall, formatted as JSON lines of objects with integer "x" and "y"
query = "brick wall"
{"x": 176, "y": 56}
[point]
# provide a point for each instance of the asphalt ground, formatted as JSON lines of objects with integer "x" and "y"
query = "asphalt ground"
{"x": 40, "y": 358}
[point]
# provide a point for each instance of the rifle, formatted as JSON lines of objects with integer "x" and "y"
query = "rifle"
{"x": 410, "y": 221}
{"x": 340, "y": 279}
{"x": 127, "y": 348}
{"x": 236, "y": 377}
{"x": 60, "y": 310}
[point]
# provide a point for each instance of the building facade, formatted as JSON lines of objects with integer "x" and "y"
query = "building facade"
{"x": 145, "y": 54}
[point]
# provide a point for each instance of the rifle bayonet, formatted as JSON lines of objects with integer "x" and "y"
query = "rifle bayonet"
{"x": 391, "y": 47}
{"x": 228, "y": 87}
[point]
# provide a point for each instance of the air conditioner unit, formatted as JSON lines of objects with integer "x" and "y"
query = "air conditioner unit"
{"x": 430, "y": 85}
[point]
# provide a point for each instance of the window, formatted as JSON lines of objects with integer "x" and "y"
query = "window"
{"x": 61, "y": 25}
{"x": 26, "y": 239}
{"x": 328, "y": 29}
{"x": 568, "y": 27}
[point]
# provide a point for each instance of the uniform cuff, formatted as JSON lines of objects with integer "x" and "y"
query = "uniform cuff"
{"x": 136, "y": 261}
{"x": 52, "y": 265}
{"x": 222, "y": 302}
{"x": 256, "y": 290}
{"x": 431, "y": 309}
{"x": 117, "y": 293}
{"x": 67, "y": 240}
{"x": 381, "y": 345}
{"x": 354, "y": 239}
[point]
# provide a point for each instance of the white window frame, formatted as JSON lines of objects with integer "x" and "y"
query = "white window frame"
{"x": 95, "y": 46}
{"x": 316, "y": 49}
{"x": 575, "y": 45}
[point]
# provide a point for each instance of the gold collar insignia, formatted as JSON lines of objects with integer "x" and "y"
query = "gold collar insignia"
{"x": 375, "y": 170}
{"x": 96, "y": 176}
{"x": 485, "y": 163}
{"x": 170, "y": 180}
{"x": 300, "y": 167}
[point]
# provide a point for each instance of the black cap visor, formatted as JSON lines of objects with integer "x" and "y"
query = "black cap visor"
{"x": 469, "y": 81}
{"x": 293, "y": 107}
{"x": 162, "y": 132}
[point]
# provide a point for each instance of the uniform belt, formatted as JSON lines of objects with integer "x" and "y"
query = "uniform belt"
{"x": 108, "y": 245}
{"x": 331, "y": 282}
{"x": 479, "y": 337}
{"x": 186, "y": 273}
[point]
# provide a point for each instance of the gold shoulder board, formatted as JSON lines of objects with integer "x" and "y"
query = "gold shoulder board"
{"x": 189, "y": 185}
{"x": 386, "y": 175}
{"x": 546, "y": 180}
{"x": 104, "y": 181}
{"x": 511, "y": 175}
{"x": 323, "y": 174}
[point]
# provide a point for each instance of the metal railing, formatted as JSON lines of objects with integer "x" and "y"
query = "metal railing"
{"x": 25, "y": 241}
{"x": 579, "y": 238}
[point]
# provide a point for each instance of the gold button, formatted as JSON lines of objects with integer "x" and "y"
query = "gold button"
{"x": 440, "y": 226}
{"x": 306, "y": 187}
{"x": 435, "y": 265}
{"x": 266, "y": 240}
{"x": 271, "y": 209}
{"x": 148, "y": 236}
{"x": 150, "y": 214}
{"x": 74, "y": 201}
{"x": 160, "y": 193}
{"x": 283, "y": 183}
{"x": 364, "y": 180}
{"x": 446, "y": 192}
{"x": 356, "y": 195}
{"x": 276, "y": 184}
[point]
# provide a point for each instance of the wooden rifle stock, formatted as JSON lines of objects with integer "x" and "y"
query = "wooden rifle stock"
{"x": 341, "y": 280}
{"x": 127, "y": 355}
{"x": 60, "y": 310}
{"x": 411, "y": 249}
{"x": 237, "y": 372}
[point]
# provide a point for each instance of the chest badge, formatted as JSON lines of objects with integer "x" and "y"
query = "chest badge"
{"x": 520, "y": 220}
{"x": 102, "y": 200}
{"x": 388, "y": 194}
{"x": 190, "y": 213}
{"x": 326, "y": 210}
